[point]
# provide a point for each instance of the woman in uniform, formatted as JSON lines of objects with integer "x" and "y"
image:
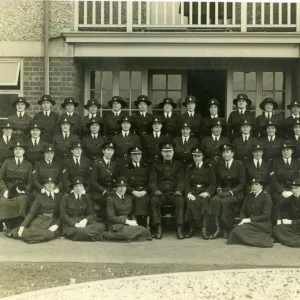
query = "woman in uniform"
{"x": 255, "y": 228}
{"x": 120, "y": 214}
{"x": 288, "y": 230}
{"x": 92, "y": 106}
{"x": 77, "y": 215}
{"x": 6, "y": 140}
{"x": 15, "y": 188}
{"x": 200, "y": 185}
{"x": 42, "y": 224}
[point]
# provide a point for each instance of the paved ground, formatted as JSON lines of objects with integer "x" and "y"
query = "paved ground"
{"x": 167, "y": 250}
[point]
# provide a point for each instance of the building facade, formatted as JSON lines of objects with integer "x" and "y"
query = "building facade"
{"x": 96, "y": 49}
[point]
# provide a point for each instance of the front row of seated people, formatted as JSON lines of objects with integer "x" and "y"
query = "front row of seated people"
{"x": 210, "y": 192}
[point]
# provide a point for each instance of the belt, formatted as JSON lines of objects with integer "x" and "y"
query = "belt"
{"x": 48, "y": 215}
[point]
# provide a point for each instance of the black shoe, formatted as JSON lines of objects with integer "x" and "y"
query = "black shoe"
{"x": 179, "y": 233}
{"x": 225, "y": 234}
{"x": 190, "y": 233}
{"x": 158, "y": 232}
{"x": 204, "y": 234}
{"x": 217, "y": 232}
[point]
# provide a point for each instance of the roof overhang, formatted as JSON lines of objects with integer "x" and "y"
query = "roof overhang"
{"x": 185, "y": 44}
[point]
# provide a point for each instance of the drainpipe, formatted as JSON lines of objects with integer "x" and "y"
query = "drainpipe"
{"x": 46, "y": 47}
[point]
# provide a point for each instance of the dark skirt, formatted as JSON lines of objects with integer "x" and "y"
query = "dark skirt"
{"x": 92, "y": 232}
{"x": 125, "y": 233}
{"x": 38, "y": 230}
{"x": 196, "y": 209}
{"x": 141, "y": 205}
{"x": 13, "y": 207}
{"x": 252, "y": 234}
{"x": 288, "y": 235}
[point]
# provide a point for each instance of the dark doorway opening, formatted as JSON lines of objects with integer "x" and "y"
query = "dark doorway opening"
{"x": 206, "y": 85}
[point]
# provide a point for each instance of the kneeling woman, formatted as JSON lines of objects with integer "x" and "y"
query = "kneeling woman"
{"x": 15, "y": 186}
{"x": 200, "y": 184}
{"x": 122, "y": 223}
{"x": 288, "y": 229}
{"x": 77, "y": 215}
{"x": 255, "y": 227}
{"x": 42, "y": 223}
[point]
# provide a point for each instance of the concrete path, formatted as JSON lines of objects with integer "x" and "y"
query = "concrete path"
{"x": 234, "y": 285}
{"x": 168, "y": 250}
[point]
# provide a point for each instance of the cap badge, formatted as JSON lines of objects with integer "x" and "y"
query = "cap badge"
{"x": 122, "y": 182}
{"x": 218, "y": 122}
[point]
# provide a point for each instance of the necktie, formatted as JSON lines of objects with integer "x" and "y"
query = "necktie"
{"x": 18, "y": 162}
{"x": 108, "y": 164}
{"x": 245, "y": 139}
{"x": 51, "y": 197}
{"x": 241, "y": 112}
{"x": 227, "y": 165}
{"x": 156, "y": 135}
{"x": 77, "y": 162}
{"x": 168, "y": 116}
{"x": 5, "y": 139}
{"x": 20, "y": 116}
{"x": 184, "y": 140}
{"x": 257, "y": 164}
{"x": 191, "y": 115}
{"x": 35, "y": 143}
{"x": 287, "y": 162}
{"x": 269, "y": 116}
{"x": 116, "y": 114}
{"x": 65, "y": 136}
{"x": 94, "y": 136}
{"x": 199, "y": 166}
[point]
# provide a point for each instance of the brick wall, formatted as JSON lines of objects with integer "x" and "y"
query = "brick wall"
{"x": 66, "y": 80}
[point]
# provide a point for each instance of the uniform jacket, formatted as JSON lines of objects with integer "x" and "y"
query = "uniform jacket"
{"x": 124, "y": 143}
{"x": 167, "y": 176}
{"x": 76, "y": 124}
{"x": 262, "y": 120}
{"x": 263, "y": 171}
{"x": 62, "y": 146}
{"x": 73, "y": 210}
{"x": 102, "y": 177}
{"x": 288, "y": 124}
{"x": 137, "y": 177}
{"x": 211, "y": 147}
{"x": 5, "y": 152}
{"x": 34, "y": 153}
{"x": 284, "y": 174}
{"x": 233, "y": 179}
{"x": 196, "y": 123}
{"x": 43, "y": 204}
{"x": 183, "y": 151}
{"x": 93, "y": 146}
{"x": 43, "y": 171}
{"x": 198, "y": 180}
{"x": 48, "y": 123}
{"x": 119, "y": 210}
{"x": 243, "y": 149}
{"x": 295, "y": 209}
{"x": 20, "y": 124}
{"x": 151, "y": 146}
{"x": 296, "y": 142}
{"x": 234, "y": 121}
{"x": 111, "y": 125}
{"x": 258, "y": 209}
{"x": 11, "y": 174}
{"x": 142, "y": 125}
{"x": 171, "y": 126}
{"x": 72, "y": 170}
{"x": 272, "y": 148}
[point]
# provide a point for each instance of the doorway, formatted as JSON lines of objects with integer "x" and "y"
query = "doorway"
{"x": 206, "y": 85}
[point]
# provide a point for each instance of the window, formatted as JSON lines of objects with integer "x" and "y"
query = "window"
{"x": 10, "y": 87}
{"x": 165, "y": 84}
{"x": 105, "y": 84}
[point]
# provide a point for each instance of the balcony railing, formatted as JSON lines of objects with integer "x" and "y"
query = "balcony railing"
{"x": 95, "y": 15}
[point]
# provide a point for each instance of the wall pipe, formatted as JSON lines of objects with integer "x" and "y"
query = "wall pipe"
{"x": 46, "y": 47}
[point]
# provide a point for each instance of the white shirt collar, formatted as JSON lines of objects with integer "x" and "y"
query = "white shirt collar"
{"x": 267, "y": 114}
{"x": 156, "y": 133}
{"x": 65, "y": 133}
{"x": 136, "y": 164}
{"x": 116, "y": 112}
{"x": 37, "y": 140}
{"x": 142, "y": 113}
{"x": 46, "y": 112}
{"x": 191, "y": 113}
{"x": 288, "y": 160}
{"x": 78, "y": 158}
{"x": 48, "y": 161}
{"x": 120, "y": 195}
{"x": 21, "y": 160}
{"x": 246, "y": 135}
{"x": 106, "y": 160}
{"x": 258, "y": 193}
{"x": 297, "y": 137}
{"x": 271, "y": 137}
{"x": 213, "y": 117}
{"x": 241, "y": 110}
{"x": 92, "y": 115}
{"x": 255, "y": 160}
{"x": 215, "y": 137}
{"x": 6, "y": 138}
{"x": 20, "y": 113}
{"x": 48, "y": 194}
{"x": 70, "y": 114}
{"x": 168, "y": 113}
{"x": 295, "y": 116}
{"x": 94, "y": 135}
{"x": 125, "y": 132}
{"x": 229, "y": 162}
{"x": 199, "y": 165}
{"x": 185, "y": 138}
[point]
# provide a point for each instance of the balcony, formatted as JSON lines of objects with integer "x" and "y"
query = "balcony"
{"x": 191, "y": 16}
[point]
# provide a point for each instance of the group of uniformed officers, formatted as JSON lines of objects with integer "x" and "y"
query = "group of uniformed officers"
{"x": 104, "y": 179}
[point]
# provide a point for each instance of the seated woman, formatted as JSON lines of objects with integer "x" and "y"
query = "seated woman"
{"x": 42, "y": 224}
{"x": 288, "y": 232}
{"x": 255, "y": 228}
{"x": 122, "y": 223}
{"x": 15, "y": 187}
{"x": 77, "y": 215}
{"x": 200, "y": 185}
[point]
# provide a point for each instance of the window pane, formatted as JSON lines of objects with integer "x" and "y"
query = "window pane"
{"x": 159, "y": 82}
{"x": 280, "y": 99}
{"x": 279, "y": 82}
{"x": 124, "y": 94}
{"x": 252, "y": 97}
{"x": 136, "y": 80}
{"x": 268, "y": 81}
{"x": 238, "y": 81}
{"x": 251, "y": 81}
{"x": 176, "y": 96}
{"x": 95, "y": 80}
{"x": 5, "y": 106}
{"x": 174, "y": 82}
{"x": 134, "y": 95}
{"x": 267, "y": 94}
{"x": 107, "y": 80}
{"x": 124, "y": 81}
{"x": 158, "y": 96}
{"x": 95, "y": 95}
{"x": 106, "y": 96}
